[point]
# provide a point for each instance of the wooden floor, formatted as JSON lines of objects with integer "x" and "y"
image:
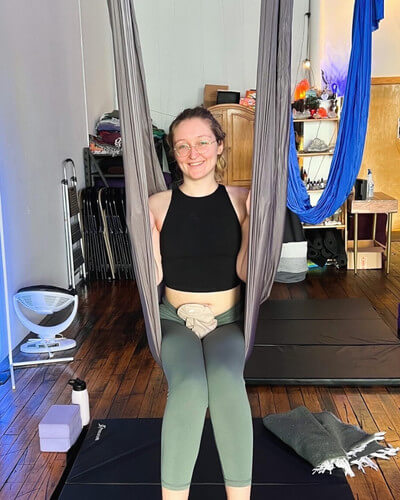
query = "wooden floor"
{"x": 125, "y": 382}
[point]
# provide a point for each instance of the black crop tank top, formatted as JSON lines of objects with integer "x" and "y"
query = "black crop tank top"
{"x": 199, "y": 242}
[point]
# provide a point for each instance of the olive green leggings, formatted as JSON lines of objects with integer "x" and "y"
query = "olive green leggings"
{"x": 200, "y": 374}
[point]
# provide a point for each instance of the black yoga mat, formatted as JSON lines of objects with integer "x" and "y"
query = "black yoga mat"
{"x": 122, "y": 460}
{"x": 323, "y": 342}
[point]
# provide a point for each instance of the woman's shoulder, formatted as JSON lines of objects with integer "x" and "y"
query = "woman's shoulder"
{"x": 159, "y": 204}
{"x": 238, "y": 196}
{"x": 160, "y": 198}
{"x": 238, "y": 193}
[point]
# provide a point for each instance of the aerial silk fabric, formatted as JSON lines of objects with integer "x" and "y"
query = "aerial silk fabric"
{"x": 143, "y": 175}
{"x": 270, "y": 158}
{"x": 347, "y": 157}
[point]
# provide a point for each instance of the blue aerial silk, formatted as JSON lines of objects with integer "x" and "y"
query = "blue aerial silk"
{"x": 346, "y": 160}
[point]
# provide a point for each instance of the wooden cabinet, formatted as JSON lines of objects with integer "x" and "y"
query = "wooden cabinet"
{"x": 238, "y": 124}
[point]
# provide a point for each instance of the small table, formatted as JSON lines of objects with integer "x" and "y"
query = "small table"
{"x": 381, "y": 203}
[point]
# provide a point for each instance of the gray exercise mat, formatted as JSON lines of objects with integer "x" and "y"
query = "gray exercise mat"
{"x": 348, "y": 308}
{"x": 322, "y": 331}
{"x": 323, "y": 342}
{"x": 327, "y": 365}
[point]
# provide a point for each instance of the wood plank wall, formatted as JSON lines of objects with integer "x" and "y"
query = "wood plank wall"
{"x": 382, "y": 147}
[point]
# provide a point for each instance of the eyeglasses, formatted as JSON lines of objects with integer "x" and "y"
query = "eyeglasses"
{"x": 202, "y": 147}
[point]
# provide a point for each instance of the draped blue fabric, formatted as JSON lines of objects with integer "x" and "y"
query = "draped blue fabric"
{"x": 346, "y": 160}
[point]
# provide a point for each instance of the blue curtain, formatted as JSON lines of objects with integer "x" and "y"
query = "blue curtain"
{"x": 349, "y": 148}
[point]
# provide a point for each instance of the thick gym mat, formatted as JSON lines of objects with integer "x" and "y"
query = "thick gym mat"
{"x": 120, "y": 458}
{"x": 349, "y": 308}
{"x": 323, "y": 342}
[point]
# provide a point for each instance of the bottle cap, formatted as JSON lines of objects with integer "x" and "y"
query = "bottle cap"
{"x": 77, "y": 384}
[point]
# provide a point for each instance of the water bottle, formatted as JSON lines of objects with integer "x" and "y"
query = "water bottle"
{"x": 80, "y": 397}
{"x": 370, "y": 186}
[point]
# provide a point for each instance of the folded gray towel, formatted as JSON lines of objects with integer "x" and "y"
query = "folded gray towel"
{"x": 327, "y": 442}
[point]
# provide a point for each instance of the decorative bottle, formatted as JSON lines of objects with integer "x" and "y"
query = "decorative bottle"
{"x": 370, "y": 186}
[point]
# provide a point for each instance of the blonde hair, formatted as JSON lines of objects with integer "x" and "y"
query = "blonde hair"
{"x": 220, "y": 168}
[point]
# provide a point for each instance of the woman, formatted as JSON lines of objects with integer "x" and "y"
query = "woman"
{"x": 200, "y": 239}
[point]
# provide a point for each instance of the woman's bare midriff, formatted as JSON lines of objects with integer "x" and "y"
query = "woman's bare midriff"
{"x": 218, "y": 302}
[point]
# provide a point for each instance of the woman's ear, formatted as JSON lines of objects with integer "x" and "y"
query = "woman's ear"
{"x": 220, "y": 148}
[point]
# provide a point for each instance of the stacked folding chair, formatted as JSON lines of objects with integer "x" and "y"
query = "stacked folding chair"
{"x": 106, "y": 239}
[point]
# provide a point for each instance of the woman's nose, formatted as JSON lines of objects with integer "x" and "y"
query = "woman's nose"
{"x": 193, "y": 152}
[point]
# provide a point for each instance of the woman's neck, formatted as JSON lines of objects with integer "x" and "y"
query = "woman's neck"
{"x": 198, "y": 187}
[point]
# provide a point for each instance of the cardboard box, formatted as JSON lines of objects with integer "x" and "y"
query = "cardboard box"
{"x": 210, "y": 94}
{"x": 369, "y": 255}
{"x": 251, "y": 93}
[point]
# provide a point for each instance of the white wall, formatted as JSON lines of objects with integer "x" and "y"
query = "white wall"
{"x": 98, "y": 60}
{"x": 186, "y": 44}
{"x": 335, "y": 37}
{"x": 386, "y": 42}
{"x": 299, "y": 40}
{"x": 42, "y": 122}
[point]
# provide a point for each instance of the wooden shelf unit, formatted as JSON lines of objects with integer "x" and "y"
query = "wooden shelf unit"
{"x": 316, "y": 120}
{"x": 303, "y": 154}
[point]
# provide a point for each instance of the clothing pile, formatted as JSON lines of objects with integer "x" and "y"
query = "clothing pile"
{"x": 108, "y": 138}
{"x": 324, "y": 245}
{"x": 326, "y": 442}
{"x": 98, "y": 147}
{"x": 109, "y": 129}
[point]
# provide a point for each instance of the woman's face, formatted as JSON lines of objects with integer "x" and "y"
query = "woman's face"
{"x": 191, "y": 132}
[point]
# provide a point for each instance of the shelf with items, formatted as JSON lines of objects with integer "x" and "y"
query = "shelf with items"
{"x": 315, "y": 167}
{"x": 103, "y": 166}
{"x": 313, "y": 171}
{"x": 327, "y": 241}
{"x": 324, "y": 153}
{"x": 336, "y": 221}
{"x": 315, "y": 120}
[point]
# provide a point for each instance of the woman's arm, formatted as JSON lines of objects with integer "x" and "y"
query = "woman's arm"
{"x": 155, "y": 234}
{"x": 242, "y": 258}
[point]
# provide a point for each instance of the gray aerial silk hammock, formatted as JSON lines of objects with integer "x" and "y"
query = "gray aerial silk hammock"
{"x": 143, "y": 175}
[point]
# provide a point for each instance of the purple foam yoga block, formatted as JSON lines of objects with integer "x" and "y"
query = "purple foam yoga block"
{"x": 61, "y": 421}
{"x": 59, "y": 444}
